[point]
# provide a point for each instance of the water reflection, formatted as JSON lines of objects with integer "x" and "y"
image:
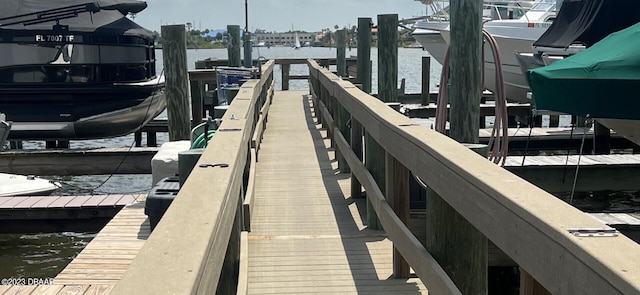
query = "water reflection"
{"x": 604, "y": 201}
{"x": 39, "y": 256}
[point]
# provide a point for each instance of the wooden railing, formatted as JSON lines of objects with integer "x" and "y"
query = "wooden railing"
{"x": 528, "y": 224}
{"x": 195, "y": 249}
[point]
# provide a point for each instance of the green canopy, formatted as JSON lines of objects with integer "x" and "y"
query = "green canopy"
{"x": 602, "y": 82}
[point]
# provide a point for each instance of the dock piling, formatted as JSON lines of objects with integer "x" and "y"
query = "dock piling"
{"x": 426, "y": 76}
{"x": 456, "y": 244}
{"x": 387, "y": 92}
{"x": 233, "y": 45}
{"x": 174, "y": 56}
{"x": 364, "y": 54}
{"x": 341, "y": 54}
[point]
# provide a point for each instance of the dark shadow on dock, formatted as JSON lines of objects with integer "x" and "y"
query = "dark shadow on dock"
{"x": 354, "y": 239}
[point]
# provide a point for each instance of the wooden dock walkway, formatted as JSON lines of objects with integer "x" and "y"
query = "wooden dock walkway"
{"x": 307, "y": 233}
{"x": 103, "y": 261}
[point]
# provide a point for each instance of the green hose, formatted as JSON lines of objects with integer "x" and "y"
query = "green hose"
{"x": 200, "y": 141}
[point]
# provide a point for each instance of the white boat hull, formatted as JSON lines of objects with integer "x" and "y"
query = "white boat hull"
{"x": 516, "y": 86}
{"x": 18, "y": 185}
{"x": 432, "y": 42}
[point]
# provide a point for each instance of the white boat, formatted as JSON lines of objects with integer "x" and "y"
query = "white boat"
{"x": 296, "y": 45}
{"x": 427, "y": 31}
{"x": 514, "y": 35}
{"x": 581, "y": 24}
{"x": 19, "y": 185}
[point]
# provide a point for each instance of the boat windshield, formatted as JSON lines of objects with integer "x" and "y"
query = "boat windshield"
{"x": 79, "y": 61}
{"x": 544, "y": 5}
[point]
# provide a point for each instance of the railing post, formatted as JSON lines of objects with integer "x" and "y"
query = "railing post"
{"x": 175, "y": 63}
{"x": 325, "y": 101}
{"x": 228, "y": 282}
{"x": 343, "y": 118}
{"x": 332, "y": 107}
{"x": 456, "y": 244}
{"x": 285, "y": 68}
{"x": 375, "y": 163}
{"x": 356, "y": 146}
{"x": 426, "y": 78}
{"x": 233, "y": 47}
{"x": 397, "y": 194}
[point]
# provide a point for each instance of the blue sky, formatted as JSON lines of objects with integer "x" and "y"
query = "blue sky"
{"x": 272, "y": 15}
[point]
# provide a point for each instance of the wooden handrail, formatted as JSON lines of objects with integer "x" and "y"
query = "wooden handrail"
{"x": 185, "y": 252}
{"x": 527, "y": 223}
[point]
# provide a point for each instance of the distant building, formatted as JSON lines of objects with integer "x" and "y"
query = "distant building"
{"x": 283, "y": 39}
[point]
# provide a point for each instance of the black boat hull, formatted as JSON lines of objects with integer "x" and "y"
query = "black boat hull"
{"x": 80, "y": 112}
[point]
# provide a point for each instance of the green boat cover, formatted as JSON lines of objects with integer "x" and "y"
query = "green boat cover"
{"x": 601, "y": 82}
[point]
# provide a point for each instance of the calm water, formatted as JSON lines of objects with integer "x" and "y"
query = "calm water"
{"x": 45, "y": 255}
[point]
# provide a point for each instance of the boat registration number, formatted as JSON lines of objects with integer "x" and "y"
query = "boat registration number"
{"x": 54, "y": 38}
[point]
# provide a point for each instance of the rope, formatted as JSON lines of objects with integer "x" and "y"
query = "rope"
{"x": 499, "y": 141}
{"x": 575, "y": 177}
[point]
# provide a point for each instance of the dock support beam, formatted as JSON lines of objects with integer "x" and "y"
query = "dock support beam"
{"x": 602, "y": 139}
{"x": 285, "y": 68}
{"x": 456, "y": 244}
{"x": 397, "y": 194}
{"x": 356, "y": 146}
{"x": 174, "y": 56}
{"x": 233, "y": 49}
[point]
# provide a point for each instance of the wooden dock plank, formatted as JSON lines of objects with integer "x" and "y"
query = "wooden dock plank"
{"x": 13, "y": 202}
{"x": 28, "y": 203}
{"x": 73, "y": 289}
{"x": 21, "y": 290}
{"x": 61, "y": 202}
{"x": 107, "y": 257}
{"x": 48, "y": 289}
{"x": 128, "y": 199}
{"x": 304, "y": 221}
{"x": 4, "y": 200}
{"x": 111, "y": 200}
{"x": 46, "y": 202}
{"x": 93, "y": 201}
{"x": 76, "y": 202}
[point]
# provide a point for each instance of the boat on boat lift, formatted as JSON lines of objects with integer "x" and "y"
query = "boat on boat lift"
{"x": 77, "y": 69}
